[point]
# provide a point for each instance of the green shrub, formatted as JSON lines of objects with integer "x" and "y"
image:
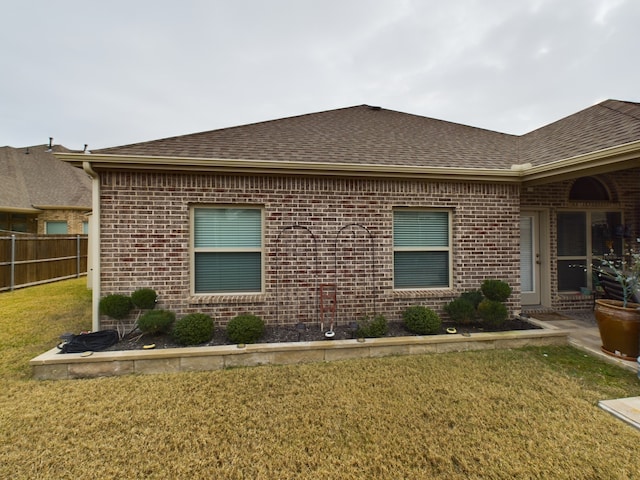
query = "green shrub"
{"x": 193, "y": 329}
{"x": 493, "y": 313}
{"x": 474, "y": 297}
{"x": 156, "y": 321}
{"x": 421, "y": 320}
{"x": 144, "y": 298}
{"x": 375, "y": 327}
{"x": 496, "y": 290}
{"x": 245, "y": 328}
{"x": 461, "y": 311}
{"x": 115, "y": 306}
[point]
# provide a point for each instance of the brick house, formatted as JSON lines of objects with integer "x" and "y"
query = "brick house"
{"x": 390, "y": 208}
{"x": 41, "y": 195}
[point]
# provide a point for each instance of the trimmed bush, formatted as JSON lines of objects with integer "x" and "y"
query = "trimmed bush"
{"x": 375, "y": 327}
{"x": 245, "y": 328}
{"x": 193, "y": 329}
{"x": 474, "y": 297}
{"x": 496, "y": 290}
{"x": 144, "y": 298}
{"x": 493, "y": 313}
{"x": 115, "y": 306}
{"x": 461, "y": 311}
{"x": 421, "y": 320}
{"x": 156, "y": 321}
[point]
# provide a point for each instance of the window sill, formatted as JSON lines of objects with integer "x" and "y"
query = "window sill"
{"x": 573, "y": 295}
{"x": 210, "y": 299}
{"x": 422, "y": 293}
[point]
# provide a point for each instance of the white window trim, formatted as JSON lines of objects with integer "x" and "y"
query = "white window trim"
{"x": 589, "y": 258}
{"x": 448, "y": 249}
{"x": 193, "y": 250}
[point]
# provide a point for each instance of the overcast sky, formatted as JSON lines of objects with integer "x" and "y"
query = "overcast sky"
{"x": 108, "y": 73}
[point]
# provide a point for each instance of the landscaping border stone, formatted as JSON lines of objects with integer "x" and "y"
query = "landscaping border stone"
{"x": 53, "y": 365}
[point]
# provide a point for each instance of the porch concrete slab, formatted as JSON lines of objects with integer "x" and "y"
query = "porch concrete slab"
{"x": 626, "y": 409}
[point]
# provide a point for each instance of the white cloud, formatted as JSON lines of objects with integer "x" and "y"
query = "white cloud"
{"x": 604, "y": 7}
{"x": 118, "y": 72}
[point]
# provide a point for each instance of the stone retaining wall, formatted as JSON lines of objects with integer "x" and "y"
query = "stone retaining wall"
{"x": 52, "y": 365}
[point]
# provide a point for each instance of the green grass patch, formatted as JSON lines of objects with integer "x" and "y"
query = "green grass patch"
{"x": 588, "y": 370}
{"x": 32, "y": 320}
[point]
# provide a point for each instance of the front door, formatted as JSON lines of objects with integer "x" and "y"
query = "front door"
{"x": 530, "y": 258}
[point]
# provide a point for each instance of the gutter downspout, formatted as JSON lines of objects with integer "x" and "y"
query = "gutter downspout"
{"x": 94, "y": 234}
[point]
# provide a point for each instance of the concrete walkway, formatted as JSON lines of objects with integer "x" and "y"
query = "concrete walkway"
{"x": 626, "y": 409}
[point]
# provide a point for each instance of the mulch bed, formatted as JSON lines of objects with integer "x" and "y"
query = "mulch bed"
{"x": 290, "y": 333}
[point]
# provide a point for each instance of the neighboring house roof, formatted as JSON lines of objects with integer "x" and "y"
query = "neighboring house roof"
{"x": 32, "y": 179}
{"x": 371, "y": 140}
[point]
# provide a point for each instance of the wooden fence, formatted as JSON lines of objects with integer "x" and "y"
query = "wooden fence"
{"x": 27, "y": 260}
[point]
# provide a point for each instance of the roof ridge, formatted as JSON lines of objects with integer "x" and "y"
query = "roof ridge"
{"x": 301, "y": 116}
{"x": 223, "y": 129}
{"x": 613, "y": 109}
{"x": 449, "y": 122}
{"x": 579, "y": 112}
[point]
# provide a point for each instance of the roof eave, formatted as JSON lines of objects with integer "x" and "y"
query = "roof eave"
{"x": 620, "y": 157}
{"x": 9, "y": 209}
{"x": 63, "y": 207}
{"x": 243, "y": 166}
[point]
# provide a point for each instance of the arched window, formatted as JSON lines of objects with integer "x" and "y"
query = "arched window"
{"x": 588, "y": 188}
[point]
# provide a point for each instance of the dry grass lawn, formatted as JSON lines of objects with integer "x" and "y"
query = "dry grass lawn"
{"x": 529, "y": 413}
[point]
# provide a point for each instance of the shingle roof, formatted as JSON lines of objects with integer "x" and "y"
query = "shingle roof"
{"x": 376, "y": 136}
{"x": 357, "y": 135}
{"x": 601, "y": 126}
{"x": 37, "y": 178}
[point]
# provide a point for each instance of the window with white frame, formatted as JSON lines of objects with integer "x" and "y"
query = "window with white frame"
{"x": 584, "y": 237}
{"x": 421, "y": 249}
{"x": 227, "y": 249}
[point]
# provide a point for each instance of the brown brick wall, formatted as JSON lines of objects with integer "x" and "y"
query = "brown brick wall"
{"x": 145, "y": 240}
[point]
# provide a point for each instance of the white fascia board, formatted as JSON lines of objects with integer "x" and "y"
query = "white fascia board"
{"x": 290, "y": 168}
{"x": 620, "y": 157}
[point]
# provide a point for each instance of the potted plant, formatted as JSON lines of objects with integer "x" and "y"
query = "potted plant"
{"x": 619, "y": 320}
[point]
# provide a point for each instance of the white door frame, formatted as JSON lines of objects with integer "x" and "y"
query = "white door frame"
{"x": 540, "y": 293}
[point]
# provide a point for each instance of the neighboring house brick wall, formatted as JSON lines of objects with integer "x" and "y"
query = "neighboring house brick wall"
{"x": 625, "y": 191}
{"x": 74, "y": 219}
{"x": 145, "y": 231}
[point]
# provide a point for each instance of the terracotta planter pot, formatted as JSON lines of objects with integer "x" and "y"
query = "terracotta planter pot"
{"x": 619, "y": 328}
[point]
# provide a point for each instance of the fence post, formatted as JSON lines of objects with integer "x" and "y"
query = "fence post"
{"x": 77, "y": 256}
{"x": 12, "y": 282}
